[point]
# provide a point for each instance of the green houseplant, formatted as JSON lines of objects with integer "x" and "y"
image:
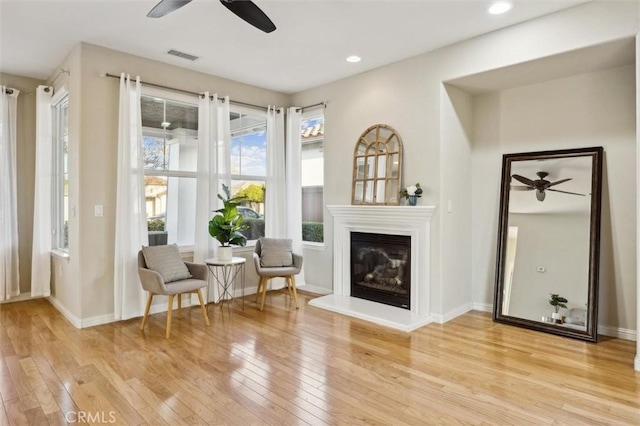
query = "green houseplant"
{"x": 226, "y": 225}
{"x": 557, "y": 302}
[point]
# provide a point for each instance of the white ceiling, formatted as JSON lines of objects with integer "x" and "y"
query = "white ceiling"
{"x": 308, "y": 48}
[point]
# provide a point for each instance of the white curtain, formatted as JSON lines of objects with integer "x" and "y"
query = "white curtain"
{"x": 213, "y": 140}
{"x": 9, "y": 275}
{"x": 42, "y": 208}
{"x": 293, "y": 182}
{"x": 294, "y": 177}
{"x": 131, "y": 226}
{"x": 276, "y": 213}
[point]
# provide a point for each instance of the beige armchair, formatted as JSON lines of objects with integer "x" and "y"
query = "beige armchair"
{"x": 275, "y": 266}
{"x": 153, "y": 283}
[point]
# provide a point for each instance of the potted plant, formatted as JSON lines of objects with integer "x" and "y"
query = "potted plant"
{"x": 557, "y": 302}
{"x": 226, "y": 225}
{"x": 411, "y": 193}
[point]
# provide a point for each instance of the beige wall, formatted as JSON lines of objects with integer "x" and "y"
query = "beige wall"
{"x": 408, "y": 95}
{"x": 595, "y": 109}
{"x": 26, "y": 141}
{"x": 93, "y": 109}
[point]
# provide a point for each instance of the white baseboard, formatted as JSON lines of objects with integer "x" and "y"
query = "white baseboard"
{"x": 74, "y": 320}
{"x": 448, "y": 316}
{"x": 636, "y": 363}
{"x": 483, "y": 307}
{"x": 314, "y": 289}
{"x": 620, "y": 333}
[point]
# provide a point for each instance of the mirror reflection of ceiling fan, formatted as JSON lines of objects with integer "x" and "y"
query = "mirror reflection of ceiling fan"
{"x": 540, "y": 185}
{"x": 244, "y": 9}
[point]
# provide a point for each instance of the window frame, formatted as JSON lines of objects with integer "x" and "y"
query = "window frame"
{"x": 59, "y": 112}
{"x": 171, "y": 96}
{"x": 229, "y": 177}
{"x": 307, "y": 116}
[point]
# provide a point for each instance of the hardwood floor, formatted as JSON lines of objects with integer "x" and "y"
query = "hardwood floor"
{"x": 285, "y": 367}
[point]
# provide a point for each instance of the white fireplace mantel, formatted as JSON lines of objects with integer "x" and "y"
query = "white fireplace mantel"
{"x": 413, "y": 221}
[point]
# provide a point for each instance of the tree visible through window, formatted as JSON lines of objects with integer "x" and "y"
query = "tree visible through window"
{"x": 248, "y": 161}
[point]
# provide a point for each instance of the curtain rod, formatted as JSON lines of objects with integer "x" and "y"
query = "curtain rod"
{"x": 160, "y": 86}
{"x": 8, "y": 90}
{"x": 301, "y": 109}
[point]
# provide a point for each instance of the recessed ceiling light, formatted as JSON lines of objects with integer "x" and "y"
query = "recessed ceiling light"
{"x": 500, "y": 7}
{"x": 354, "y": 58}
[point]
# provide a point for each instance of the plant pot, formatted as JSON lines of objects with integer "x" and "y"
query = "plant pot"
{"x": 557, "y": 317}
{"x": 225, "y": 253}
{"x": 413, "y": 200}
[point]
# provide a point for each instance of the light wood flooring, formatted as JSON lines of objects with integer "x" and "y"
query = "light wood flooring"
{"x": 286, "y": 367}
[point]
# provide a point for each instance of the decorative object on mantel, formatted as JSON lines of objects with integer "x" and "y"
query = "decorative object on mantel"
{"x": 412, "y": 193}
{"x": 226, "y": 225}
{"x": 377, "y": 166}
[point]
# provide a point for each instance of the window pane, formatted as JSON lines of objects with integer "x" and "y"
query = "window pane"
{"x": 170, "y": 131}
{"x": 248, "y": 144}
{"x": 312, "y": 173}
{"x": 252, "y": 210}
{"x": 171, "y": 210}
{"x": 60, "y": 185}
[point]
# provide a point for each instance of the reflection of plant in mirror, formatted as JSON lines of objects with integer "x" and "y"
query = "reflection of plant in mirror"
{"x": 557, "y": 302}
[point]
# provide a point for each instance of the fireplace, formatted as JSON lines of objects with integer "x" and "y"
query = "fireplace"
{"x": 411, "y": 222}
{"x": 381, "y": 268}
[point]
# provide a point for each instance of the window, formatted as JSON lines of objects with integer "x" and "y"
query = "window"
{"x": 60, "y": 189}
{"x": 248, "y": 166}
{"x": 170, "y": 151}
{"x": 312, "y": 173}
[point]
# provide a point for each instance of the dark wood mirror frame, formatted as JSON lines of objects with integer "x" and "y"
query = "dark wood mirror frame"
{"x": 591, "y": 323}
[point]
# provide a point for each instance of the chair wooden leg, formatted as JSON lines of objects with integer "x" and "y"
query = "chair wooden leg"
{"x": 204, "y": 309}
{"x": 146, "y": 311}
{"x": 180, "y": 303}
{"x": 260, "y": 280}
{"x": 264, "y": 292}
{"x": 292, "y": 280}
{"x": 169, "y": 311}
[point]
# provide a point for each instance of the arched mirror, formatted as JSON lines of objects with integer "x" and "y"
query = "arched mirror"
{"x": 549, "y": 242}
{"x": 377, "y": 167}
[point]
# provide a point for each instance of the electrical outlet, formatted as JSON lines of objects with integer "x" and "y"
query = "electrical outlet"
{"x": 97, "y": 210}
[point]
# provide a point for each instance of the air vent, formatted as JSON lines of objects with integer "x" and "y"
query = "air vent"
{"x": 182, "y": 55}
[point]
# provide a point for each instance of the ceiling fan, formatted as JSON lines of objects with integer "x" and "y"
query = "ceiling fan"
{"x": 245, "y": 9}
{"x": 540, "y": 185}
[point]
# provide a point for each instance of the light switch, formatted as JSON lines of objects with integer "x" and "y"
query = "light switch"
{"x": 97, "y": 210}
{"x": 449, "y": 206}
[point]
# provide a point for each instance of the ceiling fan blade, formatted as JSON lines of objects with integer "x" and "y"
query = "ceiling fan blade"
{"x": 524, "y": 180}
{"x": 567, "y": 192}
{"x": 165, "y": 7}
{"x": 251, "y": 13}
{"x": 521, "y": 188}
{"x": 558, "y": 182}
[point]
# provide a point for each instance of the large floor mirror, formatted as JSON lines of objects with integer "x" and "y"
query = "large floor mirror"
{"x": 549, "y": 242}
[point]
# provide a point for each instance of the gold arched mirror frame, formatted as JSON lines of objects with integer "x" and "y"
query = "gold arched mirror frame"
{"x": 377, "y": 167}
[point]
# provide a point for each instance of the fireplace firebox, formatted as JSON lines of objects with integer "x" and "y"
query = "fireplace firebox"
{"x": 381, "y": 268}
